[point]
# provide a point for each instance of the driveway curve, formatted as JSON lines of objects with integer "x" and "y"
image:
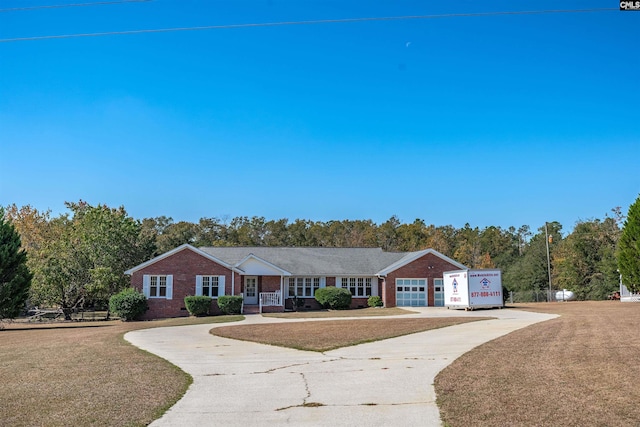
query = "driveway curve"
{"x": 389, "y": 382}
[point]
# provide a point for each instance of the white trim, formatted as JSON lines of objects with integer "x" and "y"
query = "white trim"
{"x": 198, "y": 285}
{"x": 146, "y": 286}
{"x": 282, "y": 290}
{"x": 175, "y": 251}
{"x": 345, "y": 283}
{"x": 412, "y": 256}
{"x": 169, "y": 286}
{"x": 257, "y": 295}
{"x": 221, "y": 285}
{"x": 146, "y": 282}
{"x": 321, "y": 284}
{"x": 436, "y": 293}
{"x": 262, "y": 261}
{"x": 408, "y": 258}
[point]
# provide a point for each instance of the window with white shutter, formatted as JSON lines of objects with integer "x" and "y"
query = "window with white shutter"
{"x": 157, "y": 286}
{"x": 210, "y": 286}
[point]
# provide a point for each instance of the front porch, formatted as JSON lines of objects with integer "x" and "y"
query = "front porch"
{"x": 262, "y": 294}
{"x": 262, "y": 285}
{"x": 268, "y": 302}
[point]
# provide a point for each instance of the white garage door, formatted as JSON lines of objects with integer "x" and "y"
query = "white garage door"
{"x": 438, "y": 293}
{"x": 411, "y": 292}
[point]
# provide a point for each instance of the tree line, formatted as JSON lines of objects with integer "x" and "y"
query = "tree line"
{"x": 78, "y": 258}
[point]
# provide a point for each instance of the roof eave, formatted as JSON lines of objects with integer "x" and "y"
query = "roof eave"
{"x": 282, "y": 271}
{"x": 175, "y": 251}
{"x": 401, "y": 263}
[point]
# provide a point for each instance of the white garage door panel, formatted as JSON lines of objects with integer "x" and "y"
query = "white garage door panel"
{"x": 411, "y": 292}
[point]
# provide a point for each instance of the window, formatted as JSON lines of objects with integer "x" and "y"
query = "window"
{"x": 157, "y": 286}
{"x": 210, "y": 286}
{"x": 305, "y": 286}
{"x": 360, "y": 287}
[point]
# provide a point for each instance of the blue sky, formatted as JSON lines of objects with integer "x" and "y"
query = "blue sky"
{"x": 490, "y": 120}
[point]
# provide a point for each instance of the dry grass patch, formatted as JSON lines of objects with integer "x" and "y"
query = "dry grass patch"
{"x": 82, "y": 374}
{"x": 332, "y": 334}
{"x": 361, "y": 312}
{"x": 578, "y": 369}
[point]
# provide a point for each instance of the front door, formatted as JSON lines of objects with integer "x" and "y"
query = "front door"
{"x": 251, "y": 290}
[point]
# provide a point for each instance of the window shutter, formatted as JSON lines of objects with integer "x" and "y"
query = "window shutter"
{"x": 221, "y": 286}
{"x": 323, "y": 282}
{"x": 338, "y": 282}
{"x": 146, "y": 281}
{"x": 198, "y": 285}
{"x": 374, "y": 286}
{"x": 169, "y": 286}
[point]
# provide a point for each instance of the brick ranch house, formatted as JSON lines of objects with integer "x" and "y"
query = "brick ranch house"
{"x": 269, "y": 277}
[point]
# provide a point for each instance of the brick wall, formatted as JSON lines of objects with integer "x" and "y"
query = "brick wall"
{"x": 184, "y": 266}
{"x": 428, "y": 266}
{"x": 269, "y": 284}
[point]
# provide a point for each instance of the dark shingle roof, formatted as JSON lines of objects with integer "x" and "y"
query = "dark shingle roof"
{"x": 313, "y": 261}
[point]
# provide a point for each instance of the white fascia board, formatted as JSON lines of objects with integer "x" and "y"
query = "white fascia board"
{"x": 351, "y": 275}
{"x": 175, "y": 251}
{"x": 260, "y": 260}
{"x": 414, "y": 256}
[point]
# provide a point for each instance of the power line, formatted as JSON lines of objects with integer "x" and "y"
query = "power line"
{"x": 312, "y": 22}
{"x": 59, "y": 6}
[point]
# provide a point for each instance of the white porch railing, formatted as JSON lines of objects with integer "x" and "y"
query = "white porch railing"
{"x": 626, "y": 296}
{"x": 630, "y": 298}
{"x": 270, "y": 299}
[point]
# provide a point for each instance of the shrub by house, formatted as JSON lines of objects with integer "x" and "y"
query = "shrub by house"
{"x": 334, "y": 298}
{"x": 230, "y": 304}
{"x": 198, "y": 305}
{"x": 128, "y": 304}
{"x": 375, "y": 301}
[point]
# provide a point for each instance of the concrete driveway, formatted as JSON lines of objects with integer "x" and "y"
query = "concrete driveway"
{"x": 384, "y": 383}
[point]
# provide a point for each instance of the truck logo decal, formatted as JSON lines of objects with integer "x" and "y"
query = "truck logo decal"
{"x": 485, "y": 283}
{"x": 455, "y": 286}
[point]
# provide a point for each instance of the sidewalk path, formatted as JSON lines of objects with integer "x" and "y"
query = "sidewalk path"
{"x": 389, "y": 382}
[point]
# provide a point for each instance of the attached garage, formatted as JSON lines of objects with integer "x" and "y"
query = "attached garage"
{"x": 415, "y": 293}
{"x": 411, "y": 292}
{"x": 416, "y": 279}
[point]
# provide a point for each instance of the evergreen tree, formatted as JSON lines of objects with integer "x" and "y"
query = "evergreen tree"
{"x": 15, "y": 278}
{"x": 629, "y": 249}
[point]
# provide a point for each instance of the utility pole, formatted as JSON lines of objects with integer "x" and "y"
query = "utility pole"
{"x": 548, "y": 238}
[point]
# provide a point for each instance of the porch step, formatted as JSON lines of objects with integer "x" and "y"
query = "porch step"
{"x": 251, "y": 309}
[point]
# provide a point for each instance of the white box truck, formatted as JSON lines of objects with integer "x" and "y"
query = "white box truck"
{"x": 471, "y": 289}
